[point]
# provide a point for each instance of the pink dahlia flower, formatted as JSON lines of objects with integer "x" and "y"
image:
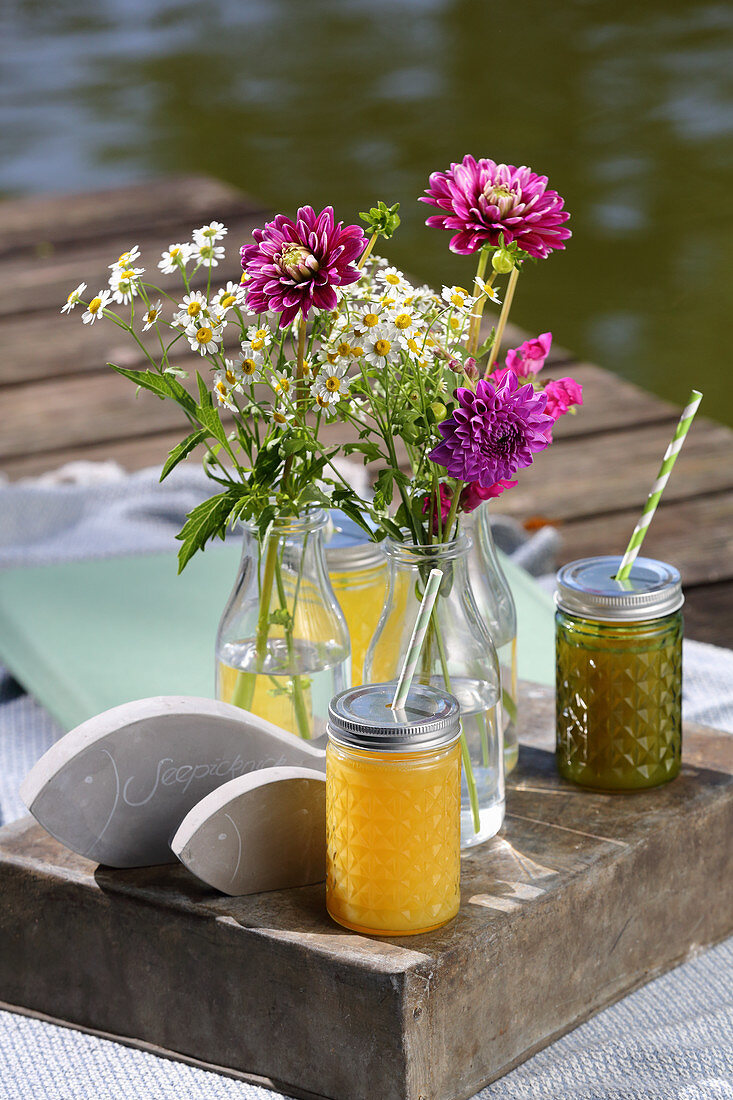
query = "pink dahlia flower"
{"x": 474, "y": 494}
{"x": 529, "y": 357}
{"x": 294, "y": 266}
{"x": 493, "y": 432}
{"x": 483, "y": 199}
{"x": 562, "y": 394}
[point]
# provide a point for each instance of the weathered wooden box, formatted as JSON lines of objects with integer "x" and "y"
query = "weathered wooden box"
{"x": 583, "y": 897}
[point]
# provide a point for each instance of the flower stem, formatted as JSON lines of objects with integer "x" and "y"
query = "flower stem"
{"x": 299, "y": 707}
{"x": 247, "y": 681}
{"x": 465, "y": 754}
{"x": 503, "y": 318}
{"x": 453, "y": 511}
{"x": 367, "y": 251}
{"x": 478, "y": 307}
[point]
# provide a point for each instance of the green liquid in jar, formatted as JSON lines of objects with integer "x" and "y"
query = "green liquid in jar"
{"x": 619, "y": 690}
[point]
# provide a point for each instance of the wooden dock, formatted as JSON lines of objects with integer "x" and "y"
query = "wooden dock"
{"x": 59, "y": 401}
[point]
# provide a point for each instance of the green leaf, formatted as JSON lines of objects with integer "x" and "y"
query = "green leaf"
{"x": 381, "y": 219}
{"x": 350, "y": 509}
{"x": 163, "y": 385}
{"x": 370, "y": 450}
{"x": 207, "y": 520}
{"x": 182, "y": 450}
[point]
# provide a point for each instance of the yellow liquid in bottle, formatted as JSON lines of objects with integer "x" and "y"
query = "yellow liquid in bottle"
{"x": 361, "y": 594}
{"x": 393, "y": 839}
{"x": 272, "y": 699}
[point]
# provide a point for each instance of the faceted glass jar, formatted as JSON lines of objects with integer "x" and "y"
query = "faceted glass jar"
{"x": 282, "y": 650}
{"x": 458, "y": 655}
{"x": 393, "y": 823}
{"x": 498, "y": 611}
{"x": 619, "y": 692}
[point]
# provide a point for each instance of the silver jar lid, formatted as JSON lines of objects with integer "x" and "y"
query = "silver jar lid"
{"x": 362, "y": 717}
{"x": 588, "y": 588}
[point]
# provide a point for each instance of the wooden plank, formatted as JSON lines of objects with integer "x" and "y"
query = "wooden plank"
{"x": 41, "y": 225}
{"x": 580, "y": 478}
{"x": 696, "y": 535}
{"x": 30, "y": 285}
{"x": 559, "y": 917}
{"x": 709, "y": 613}
{"x": 132, "y": 453}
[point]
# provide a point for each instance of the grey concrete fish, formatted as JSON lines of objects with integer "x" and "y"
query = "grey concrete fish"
{"x": 262, "y": 831}
{"x": 116, "y": 788}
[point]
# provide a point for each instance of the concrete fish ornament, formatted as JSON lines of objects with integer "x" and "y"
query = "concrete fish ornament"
{"x": 116, "y": 788}
{"x": 263, "y": 831}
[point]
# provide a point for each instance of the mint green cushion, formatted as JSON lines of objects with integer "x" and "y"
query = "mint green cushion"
{"x": 85, "y": 636}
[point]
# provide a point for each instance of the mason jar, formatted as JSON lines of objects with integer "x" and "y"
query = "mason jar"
{"x": 393, "y": 801}
{"x": 619, "y": 674}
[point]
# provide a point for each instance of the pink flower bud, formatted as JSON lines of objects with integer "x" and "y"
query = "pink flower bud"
{"x": 470, "y": 369}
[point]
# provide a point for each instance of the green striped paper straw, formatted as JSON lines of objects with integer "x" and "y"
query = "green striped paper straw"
{"x": 418, "y": 636}
{"x": 653, "y": 499}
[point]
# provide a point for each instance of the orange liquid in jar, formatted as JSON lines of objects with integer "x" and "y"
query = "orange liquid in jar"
{"x": 393, "y": 839}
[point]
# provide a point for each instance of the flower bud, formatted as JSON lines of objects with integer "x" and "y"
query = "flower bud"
{"x": 438, "y": 410}
{"x": 502, "y": 261}
{"x": 297, "y": 262}
{"x": 470, "y": 369}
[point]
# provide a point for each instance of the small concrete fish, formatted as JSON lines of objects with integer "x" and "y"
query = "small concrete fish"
{"x": 262, "y": 831}
{"x": 116, "y": 788}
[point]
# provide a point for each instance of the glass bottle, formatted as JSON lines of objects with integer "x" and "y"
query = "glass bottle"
{"x": 458, "y": 655}
{"x": 498, "y": 610}
{"x": 282, "y": 650}
{"x": 619, "y": 674}
{"x": 393, "y": 781}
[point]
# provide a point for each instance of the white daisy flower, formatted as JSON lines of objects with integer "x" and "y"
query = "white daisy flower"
{"x": 280, "y": 383}
{"x": 152, "y": 316}
{"x": 207, "y": 253}
{"x": 367, "y": 318}
{"x": 282, "y": 418}
{"x": 175, "y": 257}
{"x": 73, "y": 298}
{"x": 393, "y": 279}
{"x": 259, "y": 338}
{"x": 331, "y": 385}
{"x": 381, "y": 345}
{"x": 222, "y": 391}
{"x": 124, "y": 283}
{"x": 96, "y": 307}
{"x": 127, "y": 259}
{"x": 230, "y": 295}
{"x": 204, "y": 339}
{"x": 249, "y": 364}
{"x": 193, "y": 305}
{"x": 207, "y": 234}
{"x": 406, "y": 322}
{"x": 489, "y": 291}
{"x": 457, "y": 297}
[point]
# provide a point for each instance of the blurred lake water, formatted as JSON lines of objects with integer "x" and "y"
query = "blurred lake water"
{"x": 627, "y": 107}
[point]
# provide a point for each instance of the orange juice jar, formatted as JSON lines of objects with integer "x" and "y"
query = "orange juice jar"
{"x": 393, "y": 804}
{"x": 358, "y": 571}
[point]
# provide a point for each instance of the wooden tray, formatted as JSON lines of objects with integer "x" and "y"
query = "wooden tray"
{"x": 581, "y": 898}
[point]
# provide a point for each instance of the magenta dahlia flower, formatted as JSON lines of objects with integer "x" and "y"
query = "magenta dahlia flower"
{"x": 475, "y": 494}
{"x": 294, "y": 266}
{"x": 493, "y": 432}
{"x": 483, "y": 199}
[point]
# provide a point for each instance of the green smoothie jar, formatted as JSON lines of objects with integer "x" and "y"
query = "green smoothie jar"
{"x": 619, "y": 674}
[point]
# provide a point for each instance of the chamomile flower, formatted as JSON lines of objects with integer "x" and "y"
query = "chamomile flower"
{"x": 248, "y": 364}
{"x": 73, "y": 298}
{"x": 367, "y": 318}
{"x": 125, "y": 283}
{"x": 406, "y": 322}
{"x": 175, "y": 257}
{"x": 331, "y": 385}
{"x": 207, "y": 253}
{"x": 230, "y": 295}
{"x": 259, "y": 338}
{"x": 203, "y": 338}
{"x": 393, "y": 279}
{"x": 152, "y": 316}
{"x": 96, "y": 307}
{"x": 457, "y": 297}
{"x": 489, "y": 291}
{"x": 127, "y": 259}
{"x": 223, "y": 389}
{"x": 281, "y": 384}
{"x": 381, "y": 345}
{"x": 282, "y": 418}
{"x": 193, "y": 305}
{"x": 207, "y": 234}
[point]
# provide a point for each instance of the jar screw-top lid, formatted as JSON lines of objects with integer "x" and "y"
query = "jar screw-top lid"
{"x": 588, "y": 588}
{"x": 362, "y": 717}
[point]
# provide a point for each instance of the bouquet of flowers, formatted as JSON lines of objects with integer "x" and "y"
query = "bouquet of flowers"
{"x": 324, "y": 332}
